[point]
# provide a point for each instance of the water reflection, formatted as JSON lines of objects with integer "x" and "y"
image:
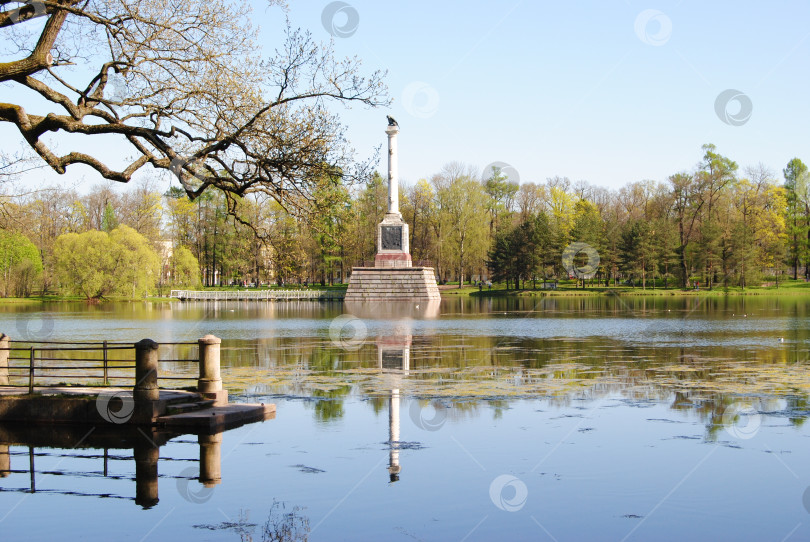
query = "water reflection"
{"x": 71, "y": 460}
{"x": 393, "y": 355}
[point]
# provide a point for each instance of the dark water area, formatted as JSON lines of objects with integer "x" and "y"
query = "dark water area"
{"x": 545, "y": 419}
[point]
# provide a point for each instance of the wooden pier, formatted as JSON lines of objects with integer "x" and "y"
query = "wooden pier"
{"x": 33, "y": 388}
{"x": 258, "y": 295}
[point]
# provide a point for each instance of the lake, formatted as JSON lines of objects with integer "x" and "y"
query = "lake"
{"x": 593, "y": 418}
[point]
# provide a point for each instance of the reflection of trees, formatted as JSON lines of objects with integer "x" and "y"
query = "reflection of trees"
{"x": 721, "y": 411}
{"x": 466, "y": 369}
{"x": 282, "y": 525}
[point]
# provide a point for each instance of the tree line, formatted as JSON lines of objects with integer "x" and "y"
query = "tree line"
{"x": 714, "y": 224}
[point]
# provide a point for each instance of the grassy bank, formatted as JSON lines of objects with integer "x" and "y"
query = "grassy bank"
{"x": 565, "y": 289}
{"x": 40, "y": 299}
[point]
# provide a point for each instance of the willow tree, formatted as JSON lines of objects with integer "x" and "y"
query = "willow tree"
{"x": 181, "y": 86}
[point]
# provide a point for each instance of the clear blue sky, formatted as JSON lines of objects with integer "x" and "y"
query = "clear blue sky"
{"x": 570, "y": 89}
{"x": 604, "y": 91}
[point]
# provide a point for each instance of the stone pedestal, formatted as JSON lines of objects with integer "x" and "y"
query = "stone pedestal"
{"x": 393, "y": 249}
{"x": 392, "y": 278}
{"x": 392, "y": 284}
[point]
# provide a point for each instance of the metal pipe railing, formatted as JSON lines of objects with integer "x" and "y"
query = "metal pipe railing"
{"x": 28, "y": 363}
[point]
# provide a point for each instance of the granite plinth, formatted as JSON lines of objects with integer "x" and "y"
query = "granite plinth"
{"x": 392, "y": 284}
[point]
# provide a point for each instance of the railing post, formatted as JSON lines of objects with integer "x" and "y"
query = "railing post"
{"x": 5, "y": 344}
{"x": 146, "y": 392}
{"x": 210, "y": 459}
{"x": 31, "y": 372}
{"x": 210, "y": 382}
{"x": 106, "y": 379}
{"x": 5, "y": 461}
{"x": 146, "y": 456}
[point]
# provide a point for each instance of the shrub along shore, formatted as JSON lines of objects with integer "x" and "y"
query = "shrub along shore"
{"x": 563, "y": 289}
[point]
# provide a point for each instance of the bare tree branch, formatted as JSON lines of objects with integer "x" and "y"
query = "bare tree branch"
{"x": 177, "y": 82}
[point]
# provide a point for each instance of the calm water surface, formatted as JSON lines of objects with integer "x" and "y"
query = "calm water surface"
{"x": 538, "y": 419}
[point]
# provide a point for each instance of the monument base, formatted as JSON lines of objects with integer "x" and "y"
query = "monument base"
{"x": 392, "y": 284}
{"x": 396, "y": 259}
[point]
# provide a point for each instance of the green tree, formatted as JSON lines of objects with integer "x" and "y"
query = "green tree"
{"x": 588, "y": 228}
{"x": 638, "y": 251}
{"x": 716, "y": 174}
{"x": 501, "y": 194}
{"x": 467, "y": 239}
{"x": 96, "y": 264}
{"x": 20, "y": 264}
{"x": 798, "y": 220}
{"x": 185, "y": 268}
{"x": 108, "y": 220}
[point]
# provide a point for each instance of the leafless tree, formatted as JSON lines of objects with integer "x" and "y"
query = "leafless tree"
{"x": 179, "y": 84}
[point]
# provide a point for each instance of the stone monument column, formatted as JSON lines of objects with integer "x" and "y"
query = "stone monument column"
{"x": 392, "y": 232}
{"x": 393, "y": 171}
{"x": 393, "y": 277}
{"x": 393, "y": 437}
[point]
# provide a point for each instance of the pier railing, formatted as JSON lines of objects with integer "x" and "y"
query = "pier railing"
{"x": 28, "y": 365}
{"x": 256, "y": 295}
{"x": 85, "y": 467}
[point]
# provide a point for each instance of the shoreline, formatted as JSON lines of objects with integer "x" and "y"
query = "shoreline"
{"x": 789, "y": 289}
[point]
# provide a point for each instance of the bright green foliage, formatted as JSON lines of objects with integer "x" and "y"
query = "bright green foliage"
{"x": 96, "y": 264}
{"x": 501, "y": 194}
{"x": 20, "y": 264}
{"x": 465, "y": 203}
{"x": 638, "y": 251}
{"x": 518, "y": 253}
{"x": 797, "y": 214}
{"x": 108, "y": 220}
{"x": 185, "y": 268}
